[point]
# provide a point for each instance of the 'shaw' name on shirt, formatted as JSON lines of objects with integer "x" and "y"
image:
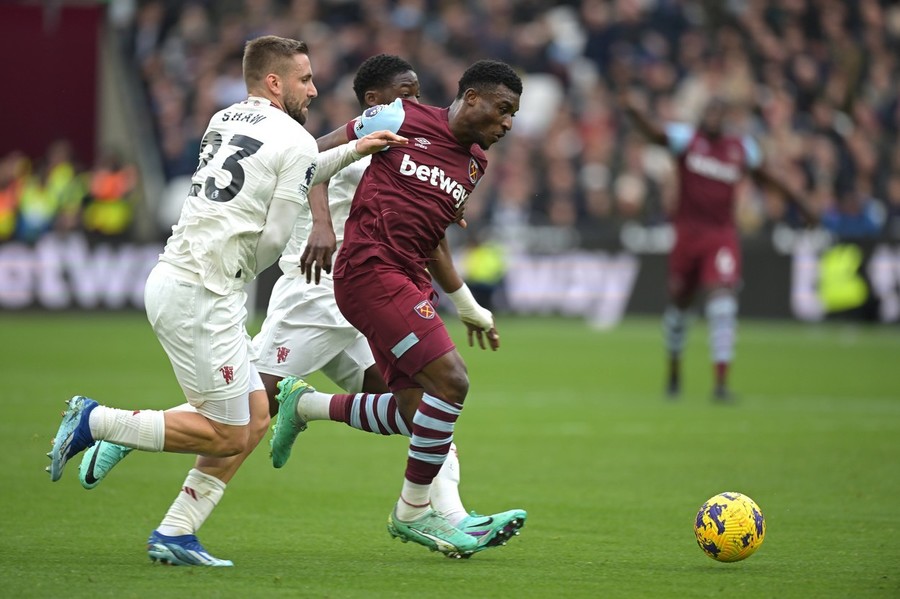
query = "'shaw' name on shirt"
{"x": 245, "y": 117}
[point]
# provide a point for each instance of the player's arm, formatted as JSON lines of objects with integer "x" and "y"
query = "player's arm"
{"x": 764, "y": 177}
{"x": 653, "y": 131}
{"x": 478, "y": 320}
{"x": 333, "y": 160}
{"x": 276, "y": 232}
{"x": 383, "y": 117}
{"x": 322, "y": 242}
{"x": 295, "y": 185}
{"x": 332, "y": 140}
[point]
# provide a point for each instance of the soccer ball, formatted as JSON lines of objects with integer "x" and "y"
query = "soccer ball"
{"x": 729, "y": 527}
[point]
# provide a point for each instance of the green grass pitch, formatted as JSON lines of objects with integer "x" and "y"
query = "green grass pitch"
{"x": 563, "y": 421}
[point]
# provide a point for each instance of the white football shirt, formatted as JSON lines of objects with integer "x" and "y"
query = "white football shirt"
{"x": 341, "y": 190}
{"x": 251, "y": 153}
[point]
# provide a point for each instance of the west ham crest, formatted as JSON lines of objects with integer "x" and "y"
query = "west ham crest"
{"x": 473, "y": 171}
{"x": 425, "y": 310}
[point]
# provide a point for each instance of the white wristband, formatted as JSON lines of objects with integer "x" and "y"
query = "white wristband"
{"x": 469, "y": 310}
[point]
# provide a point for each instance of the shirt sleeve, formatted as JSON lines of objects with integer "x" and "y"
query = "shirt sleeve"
{"x": 275, "y": 234}
{"x": 335, "y": 159}
{"x": 678, "y": 136}
{"x": 377, "y": 118}
{"x": 752, "y": 152}
{"x": 298, "y": 170}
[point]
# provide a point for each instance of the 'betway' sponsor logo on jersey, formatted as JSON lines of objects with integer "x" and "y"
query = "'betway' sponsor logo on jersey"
{"x": 435, "y": 176}
{"x": 712, "y": 168}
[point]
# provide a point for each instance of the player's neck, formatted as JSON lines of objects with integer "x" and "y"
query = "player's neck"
{"x": 457, "y": 125}
{"x": 263, "y": 96}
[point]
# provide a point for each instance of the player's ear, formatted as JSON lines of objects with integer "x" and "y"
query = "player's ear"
{"x": 372, "y": 98}
{"x": 471, "y": 97}
{"x": 273, "y": 83}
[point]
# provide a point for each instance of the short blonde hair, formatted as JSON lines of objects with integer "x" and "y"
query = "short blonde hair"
{"x": 269, "y": 54}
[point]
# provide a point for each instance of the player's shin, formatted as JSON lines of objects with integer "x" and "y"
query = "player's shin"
{"x": 675, "y": 334}
{"x": 432, "y": 434}
{"x": 721, "y": 314}
{"x": 199, "y": 495}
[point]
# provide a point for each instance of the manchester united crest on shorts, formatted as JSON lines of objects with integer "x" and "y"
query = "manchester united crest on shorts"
{"x": 473, "y": 170}
{"x": 425, "y": 309}
{"x": 227, "y": 374}
{"x": 281, "y": 354}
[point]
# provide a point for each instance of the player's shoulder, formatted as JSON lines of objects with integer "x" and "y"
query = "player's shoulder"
{"x": 262, "y": 121}
{"x": 422, "y": 111}
{"x": 289, "y": 136}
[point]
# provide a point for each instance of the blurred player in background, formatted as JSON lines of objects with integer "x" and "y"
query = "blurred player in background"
{"x": 706, "y": 258}
{"x": 398, "y": 218}
{"x": 257, "y": 164}
{"x": 304, "y": 332}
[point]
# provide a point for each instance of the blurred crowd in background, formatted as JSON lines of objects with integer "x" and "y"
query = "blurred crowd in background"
{"x": 814, "y": 81}
{"x": 54, "y": 193}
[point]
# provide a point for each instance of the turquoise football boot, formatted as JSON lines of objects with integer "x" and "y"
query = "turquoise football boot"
{"x": 288, "y": 424}
{"x": 72, "y": 436}
{"x": 433, "y": 531}
{"x": 494, "y": 530}
{"x": 98, "y": 460}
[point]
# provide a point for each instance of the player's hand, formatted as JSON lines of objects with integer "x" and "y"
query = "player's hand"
{"x": 379, "y": 140}
{"x": 476, "y": 332}
{"x": 459, "y": 219}
{"x": 478, "y": 320}
{"x": 317, "y": 254}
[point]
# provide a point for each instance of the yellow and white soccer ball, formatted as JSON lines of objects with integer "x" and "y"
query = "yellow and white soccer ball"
{"x": 730, "y": 527}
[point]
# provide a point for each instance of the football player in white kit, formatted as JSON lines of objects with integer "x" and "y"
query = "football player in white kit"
{"x": 304, "y": 332}
{"x": 257, "y": 165}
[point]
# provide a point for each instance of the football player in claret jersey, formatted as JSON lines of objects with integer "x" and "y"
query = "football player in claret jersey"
{"x": 257, "y": 163}
{"x": 398, "y": 218}
{"x": 706, "y": 258}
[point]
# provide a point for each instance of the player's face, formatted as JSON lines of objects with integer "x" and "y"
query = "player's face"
{"x": 405, "y": 85}
{"x": 492, "y": 114}
{"x": 299, "y": 89}
{"x": 714, "y": 118}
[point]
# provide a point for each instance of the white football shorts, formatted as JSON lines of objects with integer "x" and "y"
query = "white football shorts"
{"x": 205, "y": 337}
{"x": 304, "y": 332}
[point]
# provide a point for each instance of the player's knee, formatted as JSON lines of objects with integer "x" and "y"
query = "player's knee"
{"x": 721, "y": 306}
{"x": 455, "y": 385}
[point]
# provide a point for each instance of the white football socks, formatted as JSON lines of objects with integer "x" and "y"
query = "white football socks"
{"x": 314, "y": 406}
{"x": 413, "y": 502}
{"x": 445, "y": 490}
{"x": 674, "y": 329}
{"x": 721, "y": 314}
{"x": 140, "y": 429}
{"x": 199, "y": 495}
